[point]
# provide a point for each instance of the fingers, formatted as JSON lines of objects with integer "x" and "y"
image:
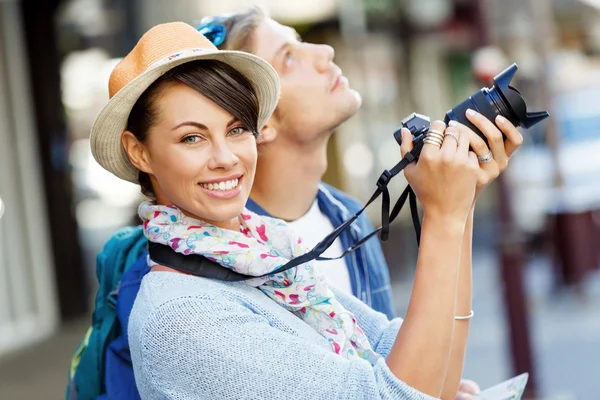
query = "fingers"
{"x": 451, "y": 139}
{"x": 407, "y": 142}
{"x": 502, "y": 149}
{"x": 429, "y": 149}
{"x": 476, "y": 142}
{"x": 473, "y": 161}
{"x": 479, "y": 148}
{"x": 469, "y": 386}
{"x": 514, "y": 139}
{"x": 477, "y": 145}
{"x": 493, "y": 135}
{"x": 464, "y": 139}
{"x": 467, "y": 390}
{"x": 407, "y": 145}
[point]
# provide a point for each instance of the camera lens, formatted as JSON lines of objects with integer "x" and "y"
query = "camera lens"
{"x": 500, "y": 99}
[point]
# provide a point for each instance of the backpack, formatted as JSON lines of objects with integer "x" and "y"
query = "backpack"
{"x": 87, "y": 368}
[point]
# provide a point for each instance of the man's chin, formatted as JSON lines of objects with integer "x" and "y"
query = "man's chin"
{"x": 350, "y": 106}
{"x": 357, "y": 98}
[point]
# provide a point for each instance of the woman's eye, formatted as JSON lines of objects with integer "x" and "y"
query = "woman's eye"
{"x": 191, "y": 139}
{"x": 238, "y": 131}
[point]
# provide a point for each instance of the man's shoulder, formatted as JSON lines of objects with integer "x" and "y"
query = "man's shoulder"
{"x": 334, "y": 194}
{"x": 339, "y": 199}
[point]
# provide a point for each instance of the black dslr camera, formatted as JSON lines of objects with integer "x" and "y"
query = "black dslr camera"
{"x": 500, "y": 99}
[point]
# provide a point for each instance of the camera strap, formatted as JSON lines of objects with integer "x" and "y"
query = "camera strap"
{"x": 201, "y": 266}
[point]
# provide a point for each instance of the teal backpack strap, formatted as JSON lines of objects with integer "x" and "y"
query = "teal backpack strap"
{"x": 86, "y": 374}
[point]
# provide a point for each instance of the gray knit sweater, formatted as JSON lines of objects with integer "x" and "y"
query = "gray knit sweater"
{"x": 196, "y": 338}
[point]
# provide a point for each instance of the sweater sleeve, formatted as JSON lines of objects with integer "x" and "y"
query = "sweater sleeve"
{"x": 380, "y": 331}
{"x": 195, "y": 348}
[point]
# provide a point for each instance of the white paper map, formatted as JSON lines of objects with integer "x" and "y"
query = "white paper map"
{"x": 511, "y": 389}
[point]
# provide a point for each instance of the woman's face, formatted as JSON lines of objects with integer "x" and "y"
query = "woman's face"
{"x": 199, "y": 157}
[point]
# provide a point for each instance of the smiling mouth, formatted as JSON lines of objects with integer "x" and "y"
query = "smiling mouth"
{"x": 222, "y": 186}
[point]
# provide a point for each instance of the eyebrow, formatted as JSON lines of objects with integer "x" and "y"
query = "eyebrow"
{"x": 280, "y": 49}
{"x": 287, "y": 43}
{"x": 199, "y": 125}
{"x": 191, "y": 123}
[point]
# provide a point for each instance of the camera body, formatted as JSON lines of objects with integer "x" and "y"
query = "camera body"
{"x": 417, "y": 124}
{"x": 500, "y": 99}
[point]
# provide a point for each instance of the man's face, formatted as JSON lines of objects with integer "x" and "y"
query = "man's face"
{"x": 315, "y": 96}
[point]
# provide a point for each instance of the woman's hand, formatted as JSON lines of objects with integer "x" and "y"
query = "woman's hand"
{"x": 467, "y": 390}
{"x": 444, "y": 178}
{"x": 501, "y": 150}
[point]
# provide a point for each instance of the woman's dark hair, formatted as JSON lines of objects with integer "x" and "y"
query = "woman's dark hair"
{"x": 215, "y": 80}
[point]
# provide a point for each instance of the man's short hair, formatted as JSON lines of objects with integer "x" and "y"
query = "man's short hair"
{"x": 239, "y": 27}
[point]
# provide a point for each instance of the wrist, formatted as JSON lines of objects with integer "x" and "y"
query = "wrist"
{"x": 448, "y": 225}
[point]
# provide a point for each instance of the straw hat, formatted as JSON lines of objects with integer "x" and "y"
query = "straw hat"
{"x": 161, "y": 49}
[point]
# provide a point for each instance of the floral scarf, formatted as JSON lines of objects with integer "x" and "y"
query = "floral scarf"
{"x": 261, "y": 246}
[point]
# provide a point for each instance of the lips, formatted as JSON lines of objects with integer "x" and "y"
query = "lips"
{"x": 223, "y": 188}
{"x": 222, "y": 179}
{"x": 336, "y": 81}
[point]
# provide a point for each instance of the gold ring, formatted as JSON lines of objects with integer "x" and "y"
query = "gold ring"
{"x": 435, "y": 135}
{"x": 434, "y": 131}
{"x": 434, "y": 141}
{"x": 452, "y": 135}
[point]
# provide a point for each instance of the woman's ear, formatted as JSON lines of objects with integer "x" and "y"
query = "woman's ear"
{"x": 136, "y": 151}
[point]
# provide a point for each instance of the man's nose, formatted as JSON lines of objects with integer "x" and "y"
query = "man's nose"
{"x": 324, "y": 55}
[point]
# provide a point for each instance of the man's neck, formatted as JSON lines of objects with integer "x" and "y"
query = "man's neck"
{"x": 287, "y": 178}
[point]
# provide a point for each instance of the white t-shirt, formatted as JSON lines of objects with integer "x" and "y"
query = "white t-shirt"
{"x": 312, "y": 228}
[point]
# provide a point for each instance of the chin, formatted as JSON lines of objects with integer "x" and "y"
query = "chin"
{"x": 219, "y": 215}
{"x": 224, "y": 213}
{"x": 348, "y": 106}
{"x": 357, "y": 98}
{"x": 351, "y": 102}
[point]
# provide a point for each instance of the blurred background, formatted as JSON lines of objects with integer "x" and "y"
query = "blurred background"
{"x": 537, "y": 239}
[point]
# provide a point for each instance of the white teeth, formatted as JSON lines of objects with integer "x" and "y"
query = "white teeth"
{"x": 223, "y": 185}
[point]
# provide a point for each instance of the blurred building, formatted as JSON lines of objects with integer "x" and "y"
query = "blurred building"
{"x": 28, "y": 298}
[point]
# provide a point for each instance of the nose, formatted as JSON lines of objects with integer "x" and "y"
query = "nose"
{"x": 323, "y": 57}
{"x": 222, "y": 157}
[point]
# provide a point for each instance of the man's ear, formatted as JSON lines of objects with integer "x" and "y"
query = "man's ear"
{"x": 136, "y": 151}
{"x": 268, "y": 133}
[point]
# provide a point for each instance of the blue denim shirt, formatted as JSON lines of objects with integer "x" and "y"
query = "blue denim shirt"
{"x": 367, "y": 267}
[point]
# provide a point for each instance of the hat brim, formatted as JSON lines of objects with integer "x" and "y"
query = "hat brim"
{"x": 105, "y": 137}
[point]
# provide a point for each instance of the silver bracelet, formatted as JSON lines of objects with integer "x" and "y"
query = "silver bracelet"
{"x": 465, "y": 317}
